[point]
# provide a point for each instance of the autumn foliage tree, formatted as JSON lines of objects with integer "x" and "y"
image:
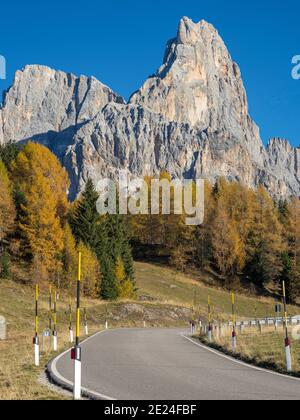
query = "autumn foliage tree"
{"x": 7, "y": 219}
{"x": 124, "y": 285}
{"x": 91, "y": 273}
{"x": 246, "y": 236}
{"x": 44, "y": 184}
{"x": 69, "y": 259}
{"x": 7, "y": 208}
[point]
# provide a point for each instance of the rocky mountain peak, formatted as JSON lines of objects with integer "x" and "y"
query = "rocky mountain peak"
{"x": 190, "y": 32}
{"x": 190, "y": 119}
{"x": 200, "y": 84}
{"x": 42, "y": 100}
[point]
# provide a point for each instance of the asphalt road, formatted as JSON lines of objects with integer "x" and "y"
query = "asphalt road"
{"x": 157, "y": 364}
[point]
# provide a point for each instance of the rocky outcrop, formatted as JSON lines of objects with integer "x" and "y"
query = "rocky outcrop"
{"x": 191, "y": 118}
{"x": 199, "y": 84}
{"x": 43, "y": 102}
{"x": 284, "y": 161}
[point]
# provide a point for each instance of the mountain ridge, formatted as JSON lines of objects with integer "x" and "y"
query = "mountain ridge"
{"x": 190, "y": 118}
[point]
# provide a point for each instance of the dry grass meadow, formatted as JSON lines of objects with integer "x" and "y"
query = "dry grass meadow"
{"x": 165, "y": 298}
{"x": 264, "y": 348}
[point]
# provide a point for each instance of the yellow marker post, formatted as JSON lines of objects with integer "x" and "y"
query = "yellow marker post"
{"x": 36, "y": 336}
{"x": 76, "y": 354}
{"x": 287, "y": 343}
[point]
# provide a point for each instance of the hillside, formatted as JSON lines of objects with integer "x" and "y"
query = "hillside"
{"x": 165, "y": 299}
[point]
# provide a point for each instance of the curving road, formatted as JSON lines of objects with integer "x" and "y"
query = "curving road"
{"x": 161, "y": 364}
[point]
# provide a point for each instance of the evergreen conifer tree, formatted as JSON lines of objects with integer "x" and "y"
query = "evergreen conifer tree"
{"x": 85, "y": 220}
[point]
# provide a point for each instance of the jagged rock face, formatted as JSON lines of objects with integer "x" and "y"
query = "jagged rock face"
{"x": 199, "y": 84}
{"x": 191, "y": 119}
{"x": 133, "y": 138}
{"x": 43, "y": 101}
{"x": 284, "y": 161}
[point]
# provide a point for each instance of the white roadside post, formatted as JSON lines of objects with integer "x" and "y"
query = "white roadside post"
{"x": 55, "y": 344}
{"x": 234, "y": 339}
{"x": 287, "y": 342}
{"x": 71, "y": 327}
{"x": 36, "y": 337}
{"x": 76, "y": 351}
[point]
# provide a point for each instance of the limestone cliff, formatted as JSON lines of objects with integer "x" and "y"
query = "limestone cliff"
{"x": 190, "y": 118}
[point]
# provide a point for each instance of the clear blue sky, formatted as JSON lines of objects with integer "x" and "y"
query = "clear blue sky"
{"x": 121, "y": 42}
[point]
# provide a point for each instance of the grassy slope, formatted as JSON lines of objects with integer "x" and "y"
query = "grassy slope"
{"x": 265, "y": 348}
{"x": 172, "y": 287}
{"x": 161, "y": 292}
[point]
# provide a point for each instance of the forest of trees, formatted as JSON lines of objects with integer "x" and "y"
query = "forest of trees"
{"x": 41, "y": 231}
{"x": 247, "y": 235}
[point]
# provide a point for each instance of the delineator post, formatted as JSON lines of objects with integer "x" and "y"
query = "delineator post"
{"x": 76, "y": 352}
{"x": 36, "y": 343}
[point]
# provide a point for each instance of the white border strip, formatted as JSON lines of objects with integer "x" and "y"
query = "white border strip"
{"x": 239, "y": 362}
{"x": 53, "y": 367}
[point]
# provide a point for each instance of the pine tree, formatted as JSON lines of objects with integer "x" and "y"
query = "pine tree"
{"x": 120, "y": 243}
{"x": 125, "y": 286}
{"x": 5, "y": 272}
{"x": 109, "y": 288}
{"x": 287, "y": 276}
{"x": 85, "y": 219}
{"x": 9, "y": 152}
{"x": 105, "y": 235}
{"x": 116, "y": 245}
{"x": 91, "y": 273}
{"x": 128, "y": 261}
{"x": 95, "y": 232}
{"x": 70, "y": 259}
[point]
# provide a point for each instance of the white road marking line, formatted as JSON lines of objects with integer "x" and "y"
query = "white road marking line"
{"x": 66, "y": 381}
{"x": 239, "y": 362}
